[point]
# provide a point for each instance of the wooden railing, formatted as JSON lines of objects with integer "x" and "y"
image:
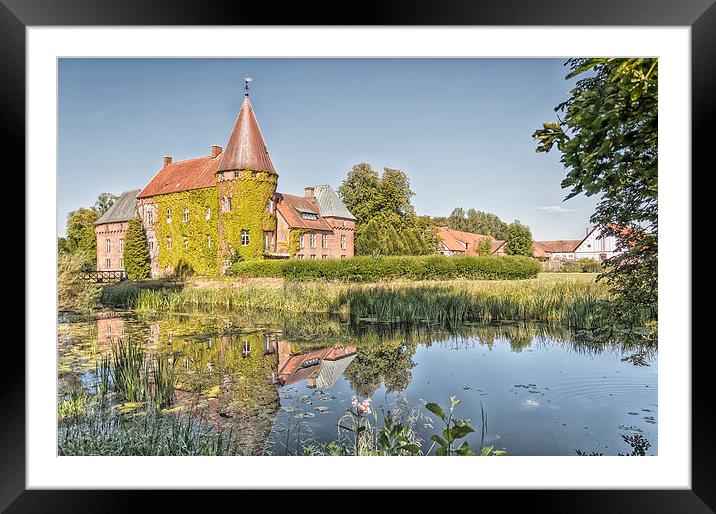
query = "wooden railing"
{"x": 104, "y": 277}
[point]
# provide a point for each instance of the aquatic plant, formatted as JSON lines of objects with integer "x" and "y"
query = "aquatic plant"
{"x": 153, "y": 433}
{"x": 127, "y": 365}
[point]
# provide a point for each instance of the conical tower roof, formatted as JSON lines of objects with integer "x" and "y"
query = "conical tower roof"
{"x": 246, "y": 149}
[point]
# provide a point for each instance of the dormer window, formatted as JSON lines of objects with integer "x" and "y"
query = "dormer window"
{"x": 307, "y": 214}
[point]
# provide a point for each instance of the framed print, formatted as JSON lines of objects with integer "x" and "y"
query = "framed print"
{"x": 253, "y": 247}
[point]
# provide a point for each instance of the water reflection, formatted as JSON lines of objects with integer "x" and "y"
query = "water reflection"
{"x": 254, "y": 374}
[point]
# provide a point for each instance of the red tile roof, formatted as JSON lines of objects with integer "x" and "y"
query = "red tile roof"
{"x": 289, "y": 207}
{"x": 246, "y": 149}
{"x": 454, "y": 239}
{"x": 183, "y": 176}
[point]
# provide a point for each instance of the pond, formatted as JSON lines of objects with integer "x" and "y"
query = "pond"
{"x": 285, "y": 384}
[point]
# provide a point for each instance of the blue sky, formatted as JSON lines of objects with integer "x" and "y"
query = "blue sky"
{"x": 460, "y": 128}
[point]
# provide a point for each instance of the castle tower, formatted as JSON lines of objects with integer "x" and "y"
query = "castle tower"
{"x": 245, "y": 184}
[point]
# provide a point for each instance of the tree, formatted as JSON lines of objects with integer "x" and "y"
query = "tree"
{"x": 104, "y": 202}
{"x": 386, "y": 201}
{"x": 474, "y": 221}
{"x": 519, "y": 239}
{"x": 73, "y": 292}
{"x": 81, "y": 238}
{"x": 484, "y": 247}
{"x": 136, "y": 252}
{"x": 607, "y": 137}
{"x": 370, "y": 241}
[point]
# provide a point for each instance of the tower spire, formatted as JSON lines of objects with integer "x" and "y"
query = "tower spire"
{"x": 247, "y": 79}
{"x": 246, "y": 149}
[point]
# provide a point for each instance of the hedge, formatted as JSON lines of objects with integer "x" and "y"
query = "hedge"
{"x": 370, "y": 269}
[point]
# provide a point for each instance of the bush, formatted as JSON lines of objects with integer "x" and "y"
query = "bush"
{"x": 73, "y": 292}
{"x": 370, "y": 269}
{"x": 582, "y": 266}
{"x": 590, "y": 265}
{"x": 570, "y": 267}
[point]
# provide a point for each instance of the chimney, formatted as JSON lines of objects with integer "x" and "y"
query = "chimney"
{"x": 167, "y": 160}
{"x": 308, "y": 192}
{"x": 586, "y": 232}
{"x": 215, "y": 151}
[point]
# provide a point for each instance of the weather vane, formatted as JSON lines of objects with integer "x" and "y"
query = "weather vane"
{"x": 247, "y": 79}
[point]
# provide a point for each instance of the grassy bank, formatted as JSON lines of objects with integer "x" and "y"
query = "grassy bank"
{"x": 570, "y": 301}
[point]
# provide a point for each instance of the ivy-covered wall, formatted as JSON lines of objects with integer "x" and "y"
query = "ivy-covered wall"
{"x": 198, "y": 254}
{"x": 294, "y": 241}
{"x": 249, "y": 211}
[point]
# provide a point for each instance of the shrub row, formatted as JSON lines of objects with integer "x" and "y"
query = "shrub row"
{"x": 370, "y": 269}
{"x": 582, "y": 266}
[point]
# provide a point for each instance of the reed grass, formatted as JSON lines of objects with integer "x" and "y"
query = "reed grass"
{"x": 153, "y": 433}
{"x": 576, "y": 303}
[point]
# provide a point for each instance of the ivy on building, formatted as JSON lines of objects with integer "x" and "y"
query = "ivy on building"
{"x": 192, "y": 240}
{"x": 249, "y": 212}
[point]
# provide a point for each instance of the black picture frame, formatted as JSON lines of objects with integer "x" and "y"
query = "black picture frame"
{"x": 700, "y": 15}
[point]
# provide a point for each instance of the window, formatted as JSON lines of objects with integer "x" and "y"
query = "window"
{"x": 208, "y": 241}
{"x": 301, "y": 241}
{"x": 324, "y": 241}
{"x": 270, "y": 206}
{"x": 108, "y": 245}
{"x": 343, "y": 256}
{"x": 313, "y": 240}
{"x": 300, "y": 256}
{"x": 169, "y": 215}
{"x": 254, "y": 174}
{"x": 186, "y": 243}
{"x": 236, "y": 174}
{"x": 107, "y": 263}
{"x": 186, "y": 214}
{"x": 121, "y": 246}
{"x": 247, "y": 348}
{"x": 268, "y": 240}
{"x": 208, "y": 213}
{"x": 150, "y": 217}
{"x": 169, "y": 242}
{"x": 121, "y": 263}
{"x": 309, "y": 216}
{"x": 225, "y": 203}
{"x": 244, "y": 238}
{"x": 602, "y": 256}
{"x": 343, "y": 242}
{"x": 151, "y": 244}
{"x": 313, "y": 256}
{"x": 324, "y": 256}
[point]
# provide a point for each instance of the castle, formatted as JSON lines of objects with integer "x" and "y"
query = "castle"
{"x": 211, "y": 210}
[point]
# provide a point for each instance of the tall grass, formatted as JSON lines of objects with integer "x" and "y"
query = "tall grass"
{"x": 151, "y": 434}
{"x": 575, "y": 304}
{"x": 137, "y": 378}
{"x": 127, "y": 365}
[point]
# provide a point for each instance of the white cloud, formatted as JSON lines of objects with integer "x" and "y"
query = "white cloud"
{"x": 554, "y": 208}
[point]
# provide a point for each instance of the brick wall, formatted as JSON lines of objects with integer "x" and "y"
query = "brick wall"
{"x": 110, "y": 251}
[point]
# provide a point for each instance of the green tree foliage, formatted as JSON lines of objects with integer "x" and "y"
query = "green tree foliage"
{"x": 519, "y": 239}
{"x": 104, "y": 202}
{"x": 474, "y": 221}
{"x": 607, "y": 137}
{"x": 136, "y": 252}
{"x": 81, "y": 238}
{"x": 484, "y": 247}
{"x": 74, "y": 293}
{"x": 371, "y": 240}
{"x": 386, "y": 222}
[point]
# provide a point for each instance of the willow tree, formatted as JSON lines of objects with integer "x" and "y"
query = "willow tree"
{"x": 607, "y": 137}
